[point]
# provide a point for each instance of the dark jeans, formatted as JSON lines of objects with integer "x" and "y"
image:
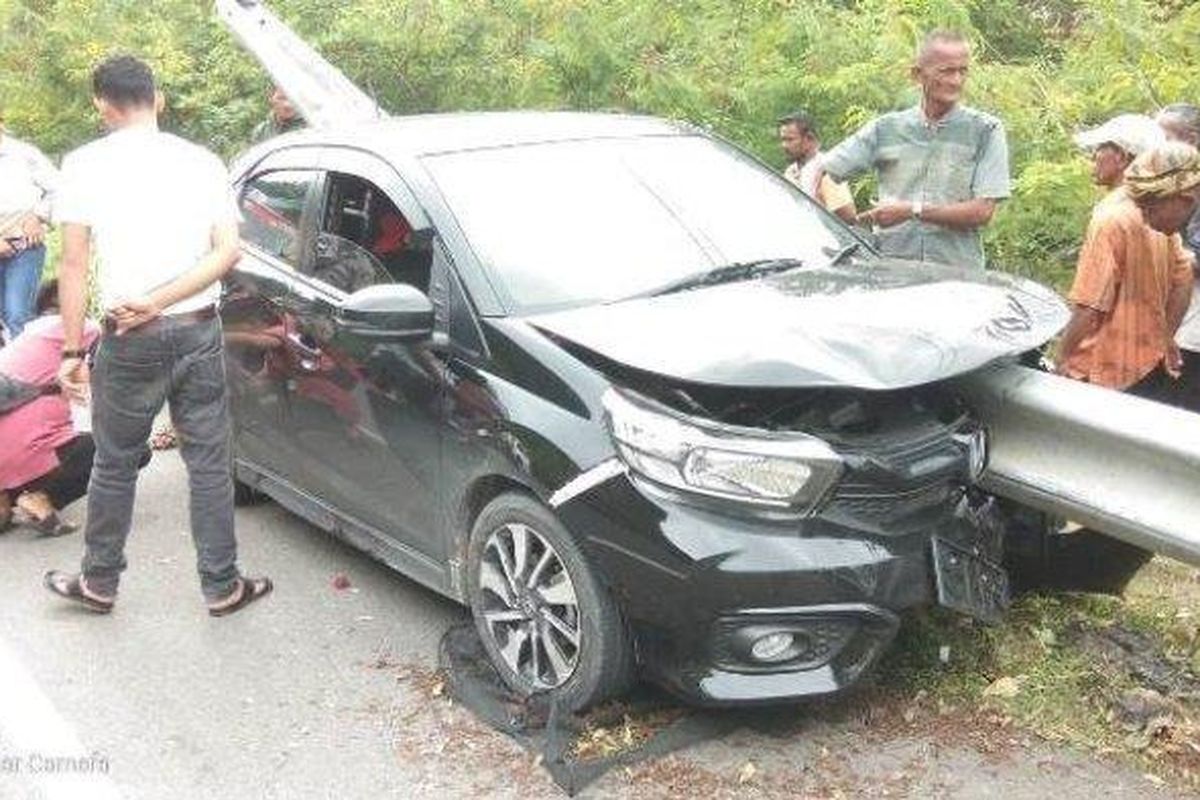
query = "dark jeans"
{"x": 1157, "y": 386}
{"x": 69, "y": 481}
{"x": 183, "y": 364}
{"x": 1188, "y": 387}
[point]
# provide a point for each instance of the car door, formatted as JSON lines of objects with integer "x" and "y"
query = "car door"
{"x": 279, "y": 206}
{"x": 368, "y": 412}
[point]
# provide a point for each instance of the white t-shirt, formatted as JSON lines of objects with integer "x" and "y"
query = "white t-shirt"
{"x": 27, "y": 178}
{"x": 151, "y": 200}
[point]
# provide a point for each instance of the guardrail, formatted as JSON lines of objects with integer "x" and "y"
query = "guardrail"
{"x": 318, "y": 90}
{"x": 1121, "y": 465}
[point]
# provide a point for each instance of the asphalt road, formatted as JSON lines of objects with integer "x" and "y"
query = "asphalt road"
{"x": 330, "y": 693}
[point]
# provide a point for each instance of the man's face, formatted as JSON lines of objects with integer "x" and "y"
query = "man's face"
{"x": 942, "y": 72}
{"x": 281, "y": 107}
{"x": 1108, "y": 165}
{"x": 1168, "y": 215}
{"x": 800, "y": 145}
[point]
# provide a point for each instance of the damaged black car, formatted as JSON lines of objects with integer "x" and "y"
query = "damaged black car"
{"x": 619, "y": 388}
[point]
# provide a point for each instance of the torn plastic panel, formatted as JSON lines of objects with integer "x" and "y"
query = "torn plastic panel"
{"x": 871, "y": 325}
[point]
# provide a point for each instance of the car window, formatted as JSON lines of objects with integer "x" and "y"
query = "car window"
{"x": 345, "y": 265}
{"x": 573, "y": 223}
{"x": 358, "y": 211}
{"x": 272, "y": 206}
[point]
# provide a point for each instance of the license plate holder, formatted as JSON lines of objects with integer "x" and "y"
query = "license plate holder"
{"x": 968, "y": 583}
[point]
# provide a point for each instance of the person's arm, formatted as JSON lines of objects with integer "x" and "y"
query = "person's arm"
{"x": 967, "y": 215}
{"x": 1183, "y": 266}
{"x": 46, "y": 178}
{"x": 1083, "y": 324}
{"x": 836, "y": 197}
{"x": 1094, "y": 291}
{"x": 72, "y": 301}
{"x": 853, "y": 156}
{"x": 210, "y": 269}
{"x": 1179, "y": 299}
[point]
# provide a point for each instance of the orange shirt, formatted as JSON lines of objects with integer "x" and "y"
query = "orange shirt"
{"x": 1126, "y": 272}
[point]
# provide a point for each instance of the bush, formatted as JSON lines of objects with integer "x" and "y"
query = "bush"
{"x": 1046, "y": 67}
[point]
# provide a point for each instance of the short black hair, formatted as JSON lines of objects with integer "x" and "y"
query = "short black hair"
{"x": 124, "y": 81}
{"x": 803, "y": 121}
{"x": 47, "y": 297}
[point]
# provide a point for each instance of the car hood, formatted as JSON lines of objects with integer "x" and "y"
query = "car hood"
{"x": 884, "y": 325}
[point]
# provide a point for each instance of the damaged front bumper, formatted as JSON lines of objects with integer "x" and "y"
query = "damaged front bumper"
{"x": 736, "y": 608}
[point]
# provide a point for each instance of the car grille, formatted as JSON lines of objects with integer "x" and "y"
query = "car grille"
{"x": 895, "y": 480}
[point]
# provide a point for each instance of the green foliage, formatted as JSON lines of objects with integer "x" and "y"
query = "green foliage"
{"x": 1046, "y": 67}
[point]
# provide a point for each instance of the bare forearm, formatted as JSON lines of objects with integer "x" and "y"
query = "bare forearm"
{"x": 72, "y": 284}
{"x": 1177, "y": 306}
{"x": 1084, "y": 322}
{"x": 847, "y": 214}
{"x": 210, "y": 269}
{"x": 967, "y": 215}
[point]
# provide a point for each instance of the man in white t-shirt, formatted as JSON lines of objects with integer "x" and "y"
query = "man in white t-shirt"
{"x": 159, "y": 213}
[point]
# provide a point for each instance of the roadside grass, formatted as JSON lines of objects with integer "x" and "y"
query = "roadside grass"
{"x": 1116, "y": 676}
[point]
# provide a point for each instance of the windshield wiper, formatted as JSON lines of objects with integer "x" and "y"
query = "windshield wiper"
{"x": 849, "y": 249}
{"x": 727, "y": 273}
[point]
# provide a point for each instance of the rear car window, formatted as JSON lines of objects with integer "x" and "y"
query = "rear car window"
{"x": 272, "y": 206}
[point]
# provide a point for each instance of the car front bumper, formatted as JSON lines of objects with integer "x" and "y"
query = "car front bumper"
{"x": 700, "y": 586}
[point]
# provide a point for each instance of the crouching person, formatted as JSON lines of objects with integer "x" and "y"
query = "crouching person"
{"x": 45, "y": 460}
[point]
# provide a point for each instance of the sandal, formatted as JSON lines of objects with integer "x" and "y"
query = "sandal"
{"x": 70, "y": 587}
{"x": 251, "y": 589}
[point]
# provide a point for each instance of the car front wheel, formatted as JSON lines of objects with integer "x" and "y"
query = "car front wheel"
{"x": 546, "y": 622}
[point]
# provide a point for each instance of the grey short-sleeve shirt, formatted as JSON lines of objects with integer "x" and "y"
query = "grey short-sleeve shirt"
{"x": 960, "y": 157}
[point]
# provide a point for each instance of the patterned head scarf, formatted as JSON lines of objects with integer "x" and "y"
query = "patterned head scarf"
{"x": 1163, "y": 171}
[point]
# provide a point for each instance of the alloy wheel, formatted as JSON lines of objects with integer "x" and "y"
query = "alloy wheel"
{"x": 529, "y": 606}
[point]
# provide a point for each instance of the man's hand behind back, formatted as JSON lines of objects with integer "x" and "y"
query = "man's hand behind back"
{"x": 74, "y": 376}
{"x": 134, "y": 313}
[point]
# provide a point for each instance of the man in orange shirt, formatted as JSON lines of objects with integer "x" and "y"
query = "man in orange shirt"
{"x": 1133, "y": 282}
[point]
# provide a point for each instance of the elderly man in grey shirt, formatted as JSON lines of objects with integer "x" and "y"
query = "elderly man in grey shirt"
{"x": 942, "y": 166}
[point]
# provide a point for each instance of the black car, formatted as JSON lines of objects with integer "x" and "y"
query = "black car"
{"x": 621, "y": 389}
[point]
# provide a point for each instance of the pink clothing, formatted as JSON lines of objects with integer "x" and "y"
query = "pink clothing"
{"x": 30, "y": 435}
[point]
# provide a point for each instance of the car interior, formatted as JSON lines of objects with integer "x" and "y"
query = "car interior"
{"x": 359, "y": 212}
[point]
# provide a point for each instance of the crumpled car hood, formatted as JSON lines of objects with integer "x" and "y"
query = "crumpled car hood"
{"x": 884, "y": 325}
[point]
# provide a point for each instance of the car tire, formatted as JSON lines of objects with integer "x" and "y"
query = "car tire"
{"x": 567, "y": 589}
{"x": 245, "y": 495}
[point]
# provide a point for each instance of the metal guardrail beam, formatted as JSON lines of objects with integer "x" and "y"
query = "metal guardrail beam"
{"x": 318, "y": 90}
{"x": 1121, "y": 465}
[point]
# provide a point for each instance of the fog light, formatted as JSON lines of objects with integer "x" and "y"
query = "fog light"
{"x": 773, "y": 647}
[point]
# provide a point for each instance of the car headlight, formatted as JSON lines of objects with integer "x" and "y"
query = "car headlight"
{"x": 779, "y": 469}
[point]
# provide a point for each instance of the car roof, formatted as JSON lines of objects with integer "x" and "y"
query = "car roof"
{"x": 428, "y": 134}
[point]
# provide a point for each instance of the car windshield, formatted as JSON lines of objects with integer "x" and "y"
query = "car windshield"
{"x": 582, "y": 222}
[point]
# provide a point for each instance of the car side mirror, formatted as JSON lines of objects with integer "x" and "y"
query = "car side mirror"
{"x": 391, "y": 311}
